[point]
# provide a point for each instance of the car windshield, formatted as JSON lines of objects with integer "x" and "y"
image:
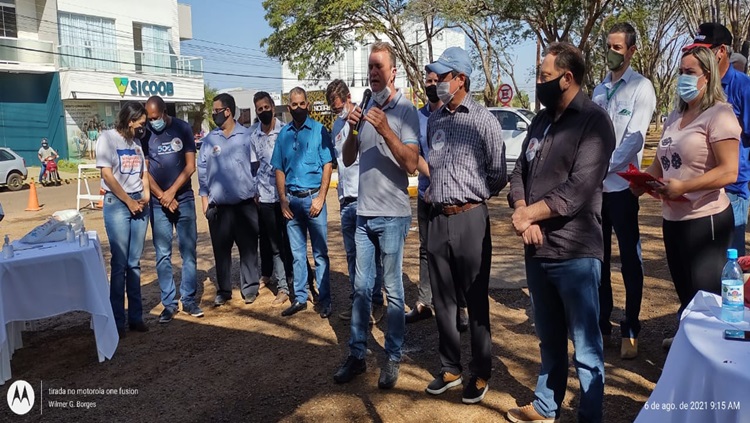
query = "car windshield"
{"x": 528, "y": 114}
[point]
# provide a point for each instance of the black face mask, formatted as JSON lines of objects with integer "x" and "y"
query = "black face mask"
{"x": 139, "y": 132}
{"x": 219, "y": 118}
{"x": 549, "y": 93}
{"x": 265, "y": 117}
{"x": 432, "y": 94}
{"x": 299, "y": 115}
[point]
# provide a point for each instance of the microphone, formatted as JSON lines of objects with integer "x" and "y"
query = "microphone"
{"x": 365, "y": 100}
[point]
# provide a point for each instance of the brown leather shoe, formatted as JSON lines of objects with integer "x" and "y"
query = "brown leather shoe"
{"x": 629, "y": 348}
{"x": 527, "y": 414}
{"x": 281, "y": 298}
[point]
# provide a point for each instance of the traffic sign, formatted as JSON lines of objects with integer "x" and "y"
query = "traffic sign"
{"x": 505, "y": 95}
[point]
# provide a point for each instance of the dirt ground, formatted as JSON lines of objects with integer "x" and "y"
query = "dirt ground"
{"x": 248, "y": 364}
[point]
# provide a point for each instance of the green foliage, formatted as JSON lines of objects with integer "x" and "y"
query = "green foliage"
{"x": 66, "y": 166}
{"x": 310, "y": 35}
{"x": 521, "y": 100}
{"x": 208, "y": 103}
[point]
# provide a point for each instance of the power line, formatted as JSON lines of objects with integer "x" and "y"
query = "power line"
{"x": 205, "y": 72}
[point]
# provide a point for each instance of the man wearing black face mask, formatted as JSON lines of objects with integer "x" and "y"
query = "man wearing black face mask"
{"x": 302, "y": 159}
{"x": 275, "y": 260}
{"x": 226, "y": 174}
{"x": 556, "y": 191}
{"x": 629, "y": 100}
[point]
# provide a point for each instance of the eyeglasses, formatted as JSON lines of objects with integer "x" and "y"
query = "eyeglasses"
{"x": 216, "y": 111}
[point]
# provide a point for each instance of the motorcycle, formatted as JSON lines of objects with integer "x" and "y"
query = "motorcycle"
{"x": 51, "y": 175}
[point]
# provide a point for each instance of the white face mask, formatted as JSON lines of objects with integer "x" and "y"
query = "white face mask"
{"x": 381, "y": 97}
{"x": 344, "y": 113}
{"x": 444, "y": 92}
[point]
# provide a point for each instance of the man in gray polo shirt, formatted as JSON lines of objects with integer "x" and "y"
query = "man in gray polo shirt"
{"x": 387, "y": 143}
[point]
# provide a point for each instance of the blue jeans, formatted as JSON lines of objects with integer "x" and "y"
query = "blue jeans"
{"x": 739, "y": 207}
{"x": 348, "y": 229}
{"x": 387, "y": 234}
{"x": 566, "y": 302}
{"x": 297, "y": 229}
{"x": 162, "y": 224}
{"x": 126, "y": 233}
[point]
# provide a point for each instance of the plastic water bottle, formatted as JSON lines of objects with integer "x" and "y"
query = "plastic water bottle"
{"x": 732, "y": 294}
{"x": 7, "y": 248}
{"x": 83, "y": 238}
{"x": 70, "y": 235}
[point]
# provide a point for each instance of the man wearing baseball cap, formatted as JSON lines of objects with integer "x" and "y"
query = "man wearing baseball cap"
{"x": 737, "y": 89}
{"x": 466, "y": 167}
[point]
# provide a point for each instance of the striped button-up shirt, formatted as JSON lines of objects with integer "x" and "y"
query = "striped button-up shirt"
{"x": 467, "y": 154}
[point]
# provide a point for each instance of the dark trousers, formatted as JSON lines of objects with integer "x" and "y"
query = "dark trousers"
{"x": 620, "y": 212}
{"x": 696, "y": 253}
{"x": 425, "y": 290}
{"x": 459, "y": 253}
{"x": 229, "y": 225}
{"x": 275, "y": 257}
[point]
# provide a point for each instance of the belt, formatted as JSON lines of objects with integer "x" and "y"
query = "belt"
{"x": 348, "y": 200}
{"x": 305, "y": 193}
{"x": 453, "y": 209}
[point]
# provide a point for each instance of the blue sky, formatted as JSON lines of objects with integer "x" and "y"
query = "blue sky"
{"x": 227, "y": 34}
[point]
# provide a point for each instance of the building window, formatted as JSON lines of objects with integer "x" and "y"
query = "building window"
{"x": 365, "y": 59}
{"x": 152, "y": 49}
{"x": 88, "y": 42}
{"x": 8, "y": 27}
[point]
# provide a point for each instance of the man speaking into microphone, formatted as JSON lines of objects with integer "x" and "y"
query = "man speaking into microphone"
{"x": 387, "y": 143}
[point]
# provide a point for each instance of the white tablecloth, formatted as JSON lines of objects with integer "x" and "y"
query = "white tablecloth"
{"x": 49, "y": 280}
{"x": 706, "y": 378}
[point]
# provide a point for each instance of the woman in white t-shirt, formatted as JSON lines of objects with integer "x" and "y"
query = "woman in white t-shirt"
{"x": 697, "y": 156}
{"x": 126, "y": 210}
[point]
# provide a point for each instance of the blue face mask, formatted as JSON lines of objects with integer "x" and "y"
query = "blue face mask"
{"x": 158, "y": 125}
{"x": 687, "y": 87}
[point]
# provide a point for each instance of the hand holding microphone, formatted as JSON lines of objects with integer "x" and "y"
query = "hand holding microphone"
{"x": 356, "y": 117}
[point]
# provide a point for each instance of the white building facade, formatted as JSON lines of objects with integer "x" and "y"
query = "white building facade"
{"x": 112, "y": 51}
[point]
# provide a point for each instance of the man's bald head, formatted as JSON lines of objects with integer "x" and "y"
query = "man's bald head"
{"x": 157, "y": 103}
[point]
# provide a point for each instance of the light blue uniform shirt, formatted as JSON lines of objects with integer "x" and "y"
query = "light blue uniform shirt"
{"x": 224, "y": 167}
{"x": 348, "y": 176}
{"x": 263, "y": 145}
{"x": 302, "y": 153}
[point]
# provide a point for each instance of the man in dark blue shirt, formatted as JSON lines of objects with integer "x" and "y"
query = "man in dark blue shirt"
{"x": 302, "y": 159}
{"x": 737, "y": 89}
{"x": 170, "y": 151}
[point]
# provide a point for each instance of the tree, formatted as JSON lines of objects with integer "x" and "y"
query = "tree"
{"x": 202, "y": 112}
{"x": 521, "y": 100}
{"x": 734, "y": 14}
{"x": 310, "y": 35}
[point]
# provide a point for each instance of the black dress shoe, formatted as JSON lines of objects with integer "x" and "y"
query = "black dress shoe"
{"x": 295, "y": 308}
{"x": 418, "y": 313}
{"x": 325, "y": 312}
{"x": 139, "y": 327}
{"x": 352, "y": 366}
{"x": 219, "y": 301}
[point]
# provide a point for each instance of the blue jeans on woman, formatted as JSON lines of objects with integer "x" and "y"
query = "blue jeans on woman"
{"x": 163, "y": 224}
{"x": 565, "y": 297}
{"x": 127, "y": 234}
{"x": 385, "y": 235}
{"x": 297, "y": 229}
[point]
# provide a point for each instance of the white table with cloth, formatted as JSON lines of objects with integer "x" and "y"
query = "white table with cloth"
{"x": 706, "y": 378}
{"x": 46, "y": 280}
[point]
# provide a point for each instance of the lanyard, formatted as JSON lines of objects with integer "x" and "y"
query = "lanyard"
{"x": 611, "y": 93}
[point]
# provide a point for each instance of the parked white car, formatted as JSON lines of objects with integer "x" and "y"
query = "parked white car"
{"x": 12, "y": 169}
{"x": 515, "y": 123}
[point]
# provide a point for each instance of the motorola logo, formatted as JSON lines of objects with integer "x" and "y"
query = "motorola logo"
{"x": 20, "y": 397}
